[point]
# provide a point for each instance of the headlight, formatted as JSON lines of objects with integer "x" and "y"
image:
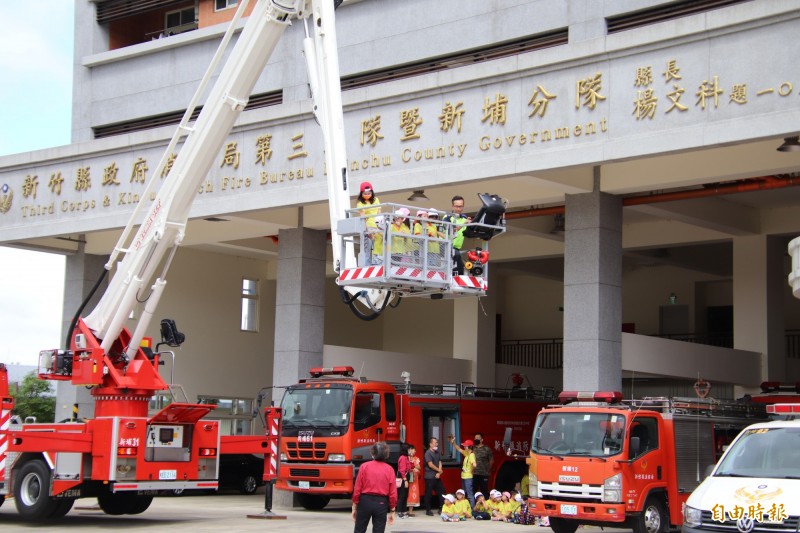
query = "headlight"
{"x": 283, "y": 457}
{"x": 533, "y": 486}
{"x": 612, "y": 489}
{"x": 692, "y": 517}
{"x": 336, "y": 458}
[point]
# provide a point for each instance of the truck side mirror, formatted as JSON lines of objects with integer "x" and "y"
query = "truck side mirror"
{"x": 635, "y": 444}
{"x": 507, "y": 441}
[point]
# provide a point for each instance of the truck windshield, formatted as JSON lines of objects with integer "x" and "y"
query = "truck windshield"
{"x": 317, "y": 408}
{"x": 764, "y": 452}
{"x": 586, "y": 434}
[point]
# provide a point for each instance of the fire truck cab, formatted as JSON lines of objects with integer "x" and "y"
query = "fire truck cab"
{"x": 332, "y": 419}
{"x": 600, "y": 461}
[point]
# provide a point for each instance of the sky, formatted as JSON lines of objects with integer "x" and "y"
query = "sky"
{"x": 36, "y": 46}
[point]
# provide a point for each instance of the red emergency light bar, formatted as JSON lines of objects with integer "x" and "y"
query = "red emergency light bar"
{"x": 777, "y": 386}
{"x": 784, "y": 408}
{"x": 590, "y": 396}
{"x": 319, "y": 371}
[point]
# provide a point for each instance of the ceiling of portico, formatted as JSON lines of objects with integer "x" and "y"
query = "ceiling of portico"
{"x": 686, "y": 232}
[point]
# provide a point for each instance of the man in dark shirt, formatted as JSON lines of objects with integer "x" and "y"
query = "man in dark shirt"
{"x": 433, "y": 476}
{"x": 375, "y": 492}
{"x": 485, "y": 459}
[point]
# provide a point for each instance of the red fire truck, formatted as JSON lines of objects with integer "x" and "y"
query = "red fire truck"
{"x": 600, "y": 461}
{"x": 332, "y": 419}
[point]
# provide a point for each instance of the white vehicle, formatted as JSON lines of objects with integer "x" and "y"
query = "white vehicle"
{"x": 755, "y": 486}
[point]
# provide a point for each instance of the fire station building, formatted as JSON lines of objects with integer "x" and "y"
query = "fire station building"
{"x": 648, "y": 151}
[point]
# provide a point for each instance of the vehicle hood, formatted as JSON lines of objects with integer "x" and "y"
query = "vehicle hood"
{"x": 731, "y": 492}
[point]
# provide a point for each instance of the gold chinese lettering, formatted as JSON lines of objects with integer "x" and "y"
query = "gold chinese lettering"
{"x": 644, "y": 77}
{"x": 168, "y": 165}
{"x": 297, "y": 146}
{"x": 139, "y": 172}
{"x": 708, "y": 90}
{"x": 263, "y": 149}
{"x": 589, "y": 89}
{"x": 231, "y": 155}
{"x": 495, "y": 111}
{"x": 672, "y": 72}
{"x": 756, "y": 511}
{"x": 451, "y": 117}
{"x": 645, "y": 104}
{"x": 30, "y": 186}
{"x": 718, "y": 513}
{"x": 370, "y": 130}
{"x": 739, "y": 93}
{"x": 409, "y": 122}
{"x": 675, "y": 97}
{"x": 83, "y": 179}
{"x": 55, "y": 183}
{"x": 736, "y": 513}
{"x": 777, "y": 513}
{"x": 110, "y": 175}
{"x": 540, "y": 104}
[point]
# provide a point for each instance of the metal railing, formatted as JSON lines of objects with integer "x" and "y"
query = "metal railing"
{"x": 549, "y": 353}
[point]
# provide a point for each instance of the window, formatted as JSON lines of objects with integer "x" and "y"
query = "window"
{"x": 235, "y": 415}
{"x": 249, "y": 305}
{"x": 224, "y": 4}
{"x": 368, "y": 410}
{"x": 180, "y": 21}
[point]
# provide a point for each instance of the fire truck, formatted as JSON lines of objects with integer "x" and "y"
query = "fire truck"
{"x": 332, "y": 419}
{"x": 124, "y": 454}
{"x": 597, "y": 460}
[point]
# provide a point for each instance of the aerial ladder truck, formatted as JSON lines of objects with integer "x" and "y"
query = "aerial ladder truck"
{"x": 123, "y": 456}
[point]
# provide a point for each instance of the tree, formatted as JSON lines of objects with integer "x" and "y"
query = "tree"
{"x": 33, "y": 397}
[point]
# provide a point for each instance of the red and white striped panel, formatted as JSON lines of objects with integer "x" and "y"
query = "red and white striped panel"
{"x": 470, "y": 282}
{"x": 361, "y": 273}
{"x": 5, "y": 422}
{"x": 418, "y": 273}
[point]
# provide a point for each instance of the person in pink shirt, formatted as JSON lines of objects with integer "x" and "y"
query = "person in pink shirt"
{"x": 375, "y": 492}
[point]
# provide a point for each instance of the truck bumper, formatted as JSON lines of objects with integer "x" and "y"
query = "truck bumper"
{"x": 589, "y": 512}
{"x": 316, "y": 478}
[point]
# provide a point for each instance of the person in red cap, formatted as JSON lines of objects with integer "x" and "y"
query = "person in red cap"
{"x": 467, "y": 467}
{"x": 370, "y": 208}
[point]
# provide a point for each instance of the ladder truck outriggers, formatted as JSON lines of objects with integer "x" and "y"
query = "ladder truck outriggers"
{"x": 596, "y": 460}
{"x": 123, "y": 455}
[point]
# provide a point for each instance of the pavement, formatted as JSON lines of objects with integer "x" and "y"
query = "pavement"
{"x": 228, "y": 512}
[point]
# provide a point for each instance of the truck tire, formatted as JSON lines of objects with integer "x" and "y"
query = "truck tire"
{"x": 563, "y": 525}
{"x": 313, "y": 502}
{"x": 64, "y": 506}
{"x": 31, "y": 492}
{"x": 119, "y": 503}
{"x": 652, "y": 519}
{"x": 249, "y": 484}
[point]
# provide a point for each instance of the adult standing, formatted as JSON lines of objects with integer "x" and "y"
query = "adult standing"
{"x": 433, "y": 475}
{"x": 413, "y": 480}
{"x": 404, "y": 469}
{"x": 467, "y": 468}
{"x": 457, "y": 218}
{"x": 375, "y": 493}
{"x": 484, "y": 460}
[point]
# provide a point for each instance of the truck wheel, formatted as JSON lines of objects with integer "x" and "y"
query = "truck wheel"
{"x": 313, "y": 502}
{"x": 31, "y": 492}
{"x": 653, "y": 519}
{"x": 563, "y": 525}
{"x": 64, "y": 506}
{"x": 249, "y": 484}
{"x": 140, "y": 504}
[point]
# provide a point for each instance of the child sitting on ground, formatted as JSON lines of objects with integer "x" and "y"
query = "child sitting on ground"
{"x": 462, "y": 505}
{"x": 449, "y": 512}
{"x": 481, "y": 510}
{"x": 495, "y": 505}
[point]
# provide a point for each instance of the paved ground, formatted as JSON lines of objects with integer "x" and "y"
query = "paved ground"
{"x": 227, "y": 513}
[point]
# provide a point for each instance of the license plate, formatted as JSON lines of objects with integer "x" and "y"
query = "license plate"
{"x": 304, "y": 484}
{"x": 569, "y": 509}
{"x": 167, "y": 474}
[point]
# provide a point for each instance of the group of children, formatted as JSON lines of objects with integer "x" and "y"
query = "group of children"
{"x": 499, "y": 507}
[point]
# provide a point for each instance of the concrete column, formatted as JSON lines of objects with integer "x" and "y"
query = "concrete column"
{"x": 758, "y": 292}
{"x": 81, "y": 272}
{"x": 299, "y": 304}
{"x": 593, "y": 292}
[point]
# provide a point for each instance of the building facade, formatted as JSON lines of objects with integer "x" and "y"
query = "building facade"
{"x": 635, "y": 141}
